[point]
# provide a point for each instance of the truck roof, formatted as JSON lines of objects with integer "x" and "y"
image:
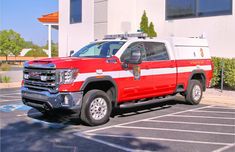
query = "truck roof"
{"x": 174, "y": 41}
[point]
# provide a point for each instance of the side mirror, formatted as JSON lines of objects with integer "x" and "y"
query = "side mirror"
{"x": 135, "y": 57}
{"x": 71, "y": 53}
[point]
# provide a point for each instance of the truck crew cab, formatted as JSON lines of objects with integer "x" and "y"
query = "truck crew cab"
{"x": 119, "y": 69}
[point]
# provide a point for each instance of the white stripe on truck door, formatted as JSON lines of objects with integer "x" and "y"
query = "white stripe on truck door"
{"x": 144, "y": 72}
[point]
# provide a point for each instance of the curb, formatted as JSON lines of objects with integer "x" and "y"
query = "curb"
{"x": 10, "y": 85}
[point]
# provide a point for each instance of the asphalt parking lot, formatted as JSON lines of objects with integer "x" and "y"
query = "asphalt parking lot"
{"x": 169, "y": 126}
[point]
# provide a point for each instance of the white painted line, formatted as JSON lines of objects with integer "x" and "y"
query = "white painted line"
{"x": 190, "y": 123}
{"x": 72, "y": 148}
{"x": 161, "y": 139}
{"x": 103, "y": 142}
{"x": 224, "y": 148}
{"x": 103, "y": 128}
{"x": 176, "y": 130}
{"x": 31, "y": 114}
{"x": 229, "y": 108}
{"x": 223, "y": 112}
{"x": 11, "y": 97}
{"x": 225, "y": 118}
{"x": 9, "y": 94}
{"x": 10, "y": 100}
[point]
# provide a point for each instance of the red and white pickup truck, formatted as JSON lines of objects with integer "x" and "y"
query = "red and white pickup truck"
{"x": 119, "y": 69}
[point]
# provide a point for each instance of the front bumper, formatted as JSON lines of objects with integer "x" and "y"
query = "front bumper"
{"x": 44, "y": 100}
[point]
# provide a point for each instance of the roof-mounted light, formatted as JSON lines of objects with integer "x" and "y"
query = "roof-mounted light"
{"x": 126, "y": 36}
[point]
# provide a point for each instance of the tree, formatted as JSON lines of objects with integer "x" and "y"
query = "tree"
{"x": 151, "y": 33}
{"x": 148, "y": 29}
{"x": 29, "y": 44}
{"x": 144, "y": 23}
{"x": 10, "y": 42}
{"x": 36, "y": 52}
{"x": 54, "y": 49}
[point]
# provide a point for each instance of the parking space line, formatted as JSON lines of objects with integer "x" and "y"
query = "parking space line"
{"x": 10, "y": 97}
{"x": 31, "y": 114}
{"x": 187, "y": 116}
{"x": 224, "y": 148}
{"x": 176, "y": 130}
{"x": 131, "y": 122}
{"x": 10, "y": 100}
{"x": 190, "y": 123}
{"x": 215, "y": 112}
{"x": 160, "y": 139}
{"x": 229, "y": 108}
{"x": 104, "y": 142}
{"x": 5, "y": 94}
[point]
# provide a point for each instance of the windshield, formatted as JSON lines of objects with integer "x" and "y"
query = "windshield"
{"x": 100, "y": 49}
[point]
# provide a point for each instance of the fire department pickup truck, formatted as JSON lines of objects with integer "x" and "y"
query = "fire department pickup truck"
{"x": 117, "y": 70}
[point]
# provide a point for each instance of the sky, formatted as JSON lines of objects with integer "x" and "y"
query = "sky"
{"x": 21, "y": 16}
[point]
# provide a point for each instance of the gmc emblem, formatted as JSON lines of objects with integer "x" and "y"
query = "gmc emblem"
{"x": 34, "y": 74}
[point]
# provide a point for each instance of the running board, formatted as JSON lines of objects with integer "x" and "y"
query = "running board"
{"x": 144, "y": 103}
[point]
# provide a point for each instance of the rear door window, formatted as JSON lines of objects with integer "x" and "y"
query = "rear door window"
{"x": 156, "y": 51}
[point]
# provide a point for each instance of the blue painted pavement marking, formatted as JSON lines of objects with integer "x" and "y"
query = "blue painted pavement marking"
{"x": 14, "y": 107}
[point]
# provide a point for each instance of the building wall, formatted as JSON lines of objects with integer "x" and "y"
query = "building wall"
{"x": 75, "y": 36}
{"x": 102, "y": 17}
{"x": 219, "y": 30}
{"x": 121, "y": 16}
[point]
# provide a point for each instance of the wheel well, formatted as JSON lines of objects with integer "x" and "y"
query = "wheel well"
{"x": 200, "y": 77}
{"x": 101, "y": 85}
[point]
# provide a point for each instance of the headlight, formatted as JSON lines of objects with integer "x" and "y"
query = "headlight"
{"x": 67, "y": 76}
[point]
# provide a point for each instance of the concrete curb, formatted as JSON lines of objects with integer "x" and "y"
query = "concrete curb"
{"x": 10, "y": 85}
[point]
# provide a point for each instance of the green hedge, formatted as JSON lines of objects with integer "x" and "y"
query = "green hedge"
{"x": 36, "y": 53}
{"x": 229, "y": 72}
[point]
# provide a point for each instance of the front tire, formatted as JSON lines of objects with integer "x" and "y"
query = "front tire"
{"x": 96, "y": 108}
{"x": 194, "y": 92}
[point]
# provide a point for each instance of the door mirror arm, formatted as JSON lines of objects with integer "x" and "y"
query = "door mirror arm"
{"x": 71, "y": 53}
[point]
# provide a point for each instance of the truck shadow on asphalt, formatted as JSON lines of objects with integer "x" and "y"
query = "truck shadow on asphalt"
{"x": 24, "y": 136}
{"x": 67, "y": 119}
{"x": 54, "y": 133}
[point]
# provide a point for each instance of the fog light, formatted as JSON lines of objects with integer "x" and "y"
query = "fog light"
{"x": 68, "y": 101}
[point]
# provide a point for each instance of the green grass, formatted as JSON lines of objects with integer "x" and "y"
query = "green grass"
{"x": 5, "y": 67}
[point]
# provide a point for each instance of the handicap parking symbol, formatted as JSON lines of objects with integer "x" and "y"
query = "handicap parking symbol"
{"x": 13, "y": 107}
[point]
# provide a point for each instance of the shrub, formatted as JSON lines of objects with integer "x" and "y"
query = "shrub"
{"x": 5, "y": 67}
{"x": 229, "y": 72}
{"x": 36, "y": 53}
{"x": 5, "y": 79}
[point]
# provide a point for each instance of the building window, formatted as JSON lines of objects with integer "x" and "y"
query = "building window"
{"x": 176, "y": 9}
{"x": 75, "y": 11}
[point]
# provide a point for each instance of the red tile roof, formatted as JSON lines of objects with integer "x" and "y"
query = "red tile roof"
{"x": 50, "y": 18}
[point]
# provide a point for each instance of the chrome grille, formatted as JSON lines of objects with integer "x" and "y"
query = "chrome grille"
{"x": 41, "y": 79}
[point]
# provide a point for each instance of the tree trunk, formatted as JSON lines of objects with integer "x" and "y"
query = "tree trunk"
{"x": 6, "y": 58}
{"x": 15, "y": 60}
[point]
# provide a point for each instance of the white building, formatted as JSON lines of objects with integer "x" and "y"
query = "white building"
{"x": 83, "y": 21}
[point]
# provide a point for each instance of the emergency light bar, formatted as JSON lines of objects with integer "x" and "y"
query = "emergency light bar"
{"x": 126, "y": 36}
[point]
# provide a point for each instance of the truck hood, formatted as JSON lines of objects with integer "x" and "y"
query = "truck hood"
{"x": 71, "y": 62}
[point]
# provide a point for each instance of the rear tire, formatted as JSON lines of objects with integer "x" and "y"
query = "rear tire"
{"x": 96, "y": 108}
{"x": 194, "y": 92}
